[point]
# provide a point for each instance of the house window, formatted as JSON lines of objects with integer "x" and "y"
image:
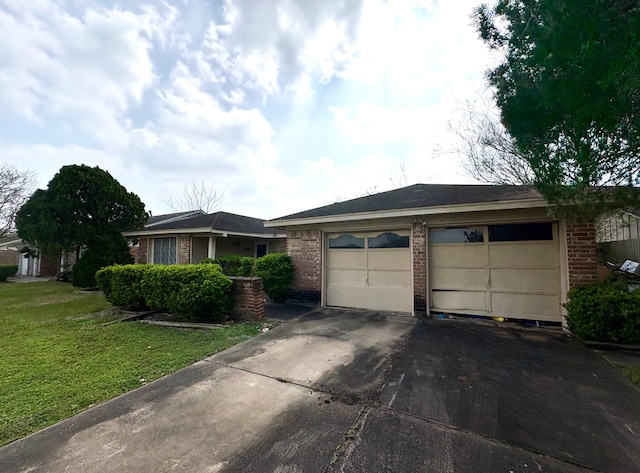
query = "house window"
{"x": 521, "y": 232}
{"x": 346, "y": 241}
{"x": 388, "y": 240}
{"x": 457, "y": 235}
{"x": 261, "y": 250}
{"x": 164, "y": 250}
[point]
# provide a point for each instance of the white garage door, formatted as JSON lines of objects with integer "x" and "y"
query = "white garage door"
{"x": 508, "y": 270}
{"x": 369, "y": 270}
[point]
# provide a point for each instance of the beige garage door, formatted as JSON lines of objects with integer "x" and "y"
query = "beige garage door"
{"x": 508, "y": 270}
{"x": 369, "y": 270}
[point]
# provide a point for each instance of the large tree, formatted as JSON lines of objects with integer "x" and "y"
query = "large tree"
{"x": 82, "y": 207}
{"x": 568, "y": 91}
{"x": 15, "y": 188}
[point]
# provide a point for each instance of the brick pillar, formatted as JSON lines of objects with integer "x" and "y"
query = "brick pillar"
{"x": 419, "y": 253}
{"x": 581, "y": 253}
{"x": 305, "y": 249}
{"x": 248, "y": 298}
{"x": 184, "y": 249}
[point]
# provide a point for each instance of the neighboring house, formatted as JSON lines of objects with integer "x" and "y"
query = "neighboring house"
{"x": 618, "y": 235}
{"x": 468, "y": 249}
{"x": 29, "y": 264}
{"x": 190, "y": 237}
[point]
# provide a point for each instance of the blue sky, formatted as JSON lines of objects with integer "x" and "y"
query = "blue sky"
{"x": 281, "y": 105}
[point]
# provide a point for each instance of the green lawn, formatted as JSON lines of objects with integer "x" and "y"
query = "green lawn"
{"x": 57, "y": 358}
{"x": 631, "y": 372}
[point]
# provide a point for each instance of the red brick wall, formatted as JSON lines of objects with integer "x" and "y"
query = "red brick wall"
{"x": 184, "y": 249}
{"x": 248, "y": 298}
{"x": 9, "y": 257}
{"x": 49, "y": 263}
{"x": 581, "y": 253}
{"x": 141, "y": 251}
{"x": 305, "y": 249}
{"x": 419, "y": 250}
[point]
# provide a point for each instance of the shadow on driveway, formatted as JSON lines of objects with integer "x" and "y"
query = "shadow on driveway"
{"x": 467, "y": 397}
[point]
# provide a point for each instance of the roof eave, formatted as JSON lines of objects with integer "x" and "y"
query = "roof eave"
{"x": 202, "y": 230}
{"x": 411, "y": 212}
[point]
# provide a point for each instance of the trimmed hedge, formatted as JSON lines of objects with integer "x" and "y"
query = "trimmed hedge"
{"x": 276, "y": 271}
{"x": 122, "y": 285}
{"x": 198, "y": 292}
{"x": 233, "y": 265}
{"x": 7, "y": 270}
{"x": 604, "y": 312}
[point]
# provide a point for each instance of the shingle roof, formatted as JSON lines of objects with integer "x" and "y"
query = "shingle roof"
{"x": 161, "y": 218}
{"x": 420, "y": 196}
{"x": 221, "y": 221}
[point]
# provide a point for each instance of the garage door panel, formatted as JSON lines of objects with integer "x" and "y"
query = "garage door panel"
{"x": 459, "y": 300}
{"x": 460, "y": 278}
{"x": 347, "y": 259}
{"x": 396, "y": 259}
{"x": 526, "y": 280}
{"x": 459, "y": 256}
{"x": 347, "y": 277}
{"x": 523, "y": 255}
{"x": 365, "y": 298}
{"x": 525, "y": 305}
{"x": 389, "y": 279}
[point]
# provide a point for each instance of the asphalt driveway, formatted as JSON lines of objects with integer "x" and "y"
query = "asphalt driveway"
{"x": 358, "y": 391}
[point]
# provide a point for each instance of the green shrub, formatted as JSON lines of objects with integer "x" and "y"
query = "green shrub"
{"x": 122, "y": 285}
{"x": 107, "y": 252}
{"x": 7, "y": 270}
{"x": 276, "y": 271}
{"x": 233, "y": 265}
{"x": 198, "y": 292}
{"x": 604, "y": 312}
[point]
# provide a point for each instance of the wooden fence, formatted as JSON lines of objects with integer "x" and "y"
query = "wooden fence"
{"x": 618, "y": 251}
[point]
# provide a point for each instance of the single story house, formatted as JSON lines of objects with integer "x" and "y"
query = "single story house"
{"x": 190, "y": 237}
{"x": 466, "y": 249}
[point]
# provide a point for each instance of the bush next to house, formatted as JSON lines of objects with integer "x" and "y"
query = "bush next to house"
{"x": 234, "y": 265}
{"x": 200, "y": 293}
{"x": 276, "y": 271}
{"x": 7, "y": 270}
{"x": 109, "y": 252}
{"x": 604, "y": 312}
{"x": 122, "y": 285}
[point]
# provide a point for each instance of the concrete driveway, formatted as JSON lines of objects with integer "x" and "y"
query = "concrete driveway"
{"x": 357, "y": 391}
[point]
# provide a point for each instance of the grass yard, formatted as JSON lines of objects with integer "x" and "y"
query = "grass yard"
{"x": 57, "y": 358}
{"x": 631, "y": 372}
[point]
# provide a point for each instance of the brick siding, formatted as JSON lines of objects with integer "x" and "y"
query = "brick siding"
{"x": 248, "y": 298}
{"x": 184, "y": 249}
{"x": 305, "y": 249}
{"x": 49, "y": 264}
{"x": 419, "y": 250}
{"x": 141, "y": 251}
{"x": 278, "y": 246}
{"x": 581, "y": 253}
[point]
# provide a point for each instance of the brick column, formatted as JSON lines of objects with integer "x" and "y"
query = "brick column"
{"x": 581, "y": 253}
{"x": 419, "y": 257}
{"x": 305, "y": 249}
{"x": 49, "y": 263}
{"x": 248, "y": 298}
{"x": 184, "y": 249}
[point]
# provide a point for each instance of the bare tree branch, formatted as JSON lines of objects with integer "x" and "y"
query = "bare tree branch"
{"x": 196, "y": 197}
{"x": 16, "y": 186}
{"x": 490, "y": 153}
